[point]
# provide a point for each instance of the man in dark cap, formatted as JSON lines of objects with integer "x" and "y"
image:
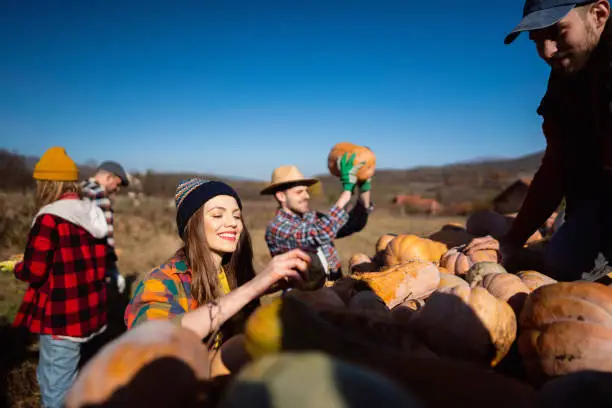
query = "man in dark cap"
{"x": 101, "y": 188}
{"x": 575, "y": 39}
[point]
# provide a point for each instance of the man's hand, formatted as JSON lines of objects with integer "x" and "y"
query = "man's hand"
{"x": 348, "y": 171}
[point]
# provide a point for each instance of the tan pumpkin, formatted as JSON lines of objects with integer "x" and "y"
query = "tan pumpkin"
{"x": 467, "y": 323}
{"x": 140, "y": 357}
{"x": 458, "y": 262}
{"x": 448, "y": 281}
{"x": 399, "y": 283}
{"x": 452, "y": 235}
{"x": 361, "y": 263}
{"x": 475, "y": 274}
{"x": 408, "y": 247}
{"x": 362, "y": 154}
{"x": 566, "y": 327}
{"x": 534, "y": 280}
{"x": 507, "y": 287}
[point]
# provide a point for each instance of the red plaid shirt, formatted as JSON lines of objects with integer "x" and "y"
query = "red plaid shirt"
{"x": 312, "y": 230}
{"x": 64, "y": 266}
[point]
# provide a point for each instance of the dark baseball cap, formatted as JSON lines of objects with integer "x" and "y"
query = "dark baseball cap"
{"x": 541, "y": 14}
{"x": 117, "y": 170}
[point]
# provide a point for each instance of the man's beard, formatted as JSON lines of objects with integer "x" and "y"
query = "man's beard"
{"x": 581, "y": 58}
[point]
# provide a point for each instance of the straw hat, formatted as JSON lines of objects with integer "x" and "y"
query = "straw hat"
{"x": 285, "y": 175}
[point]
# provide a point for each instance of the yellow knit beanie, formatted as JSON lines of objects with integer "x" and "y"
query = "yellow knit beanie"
{"x": 56, "y": 165}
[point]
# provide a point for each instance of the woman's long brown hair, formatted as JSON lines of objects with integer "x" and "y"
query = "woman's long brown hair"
{"x": 48, "y": 191}
{"x": 238, "y": 266}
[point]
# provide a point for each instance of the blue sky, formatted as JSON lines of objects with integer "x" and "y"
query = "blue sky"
{"x": 239, "y": 87}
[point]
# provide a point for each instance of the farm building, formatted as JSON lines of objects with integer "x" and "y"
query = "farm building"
{"x": 510, "y": 200}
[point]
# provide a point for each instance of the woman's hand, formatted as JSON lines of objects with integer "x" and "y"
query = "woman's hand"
{"x": 291, "y": 266}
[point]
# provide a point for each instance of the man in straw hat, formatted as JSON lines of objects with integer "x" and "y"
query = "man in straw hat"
{"x": 575, "y": 39}
{"x": 295, "y": 225}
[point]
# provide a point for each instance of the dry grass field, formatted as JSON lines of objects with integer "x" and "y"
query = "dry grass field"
{"x": 146, "y": 236}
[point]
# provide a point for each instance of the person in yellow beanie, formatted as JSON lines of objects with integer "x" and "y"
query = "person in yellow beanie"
{"x": 55, "y": 165}
{"x": 64, "y": 263}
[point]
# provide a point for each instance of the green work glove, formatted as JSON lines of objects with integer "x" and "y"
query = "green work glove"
{"x": 348, "y": 171}
{"x": 366, "y": 185}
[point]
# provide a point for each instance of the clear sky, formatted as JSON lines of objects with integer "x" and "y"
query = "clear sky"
{"x": 239, "y": 87}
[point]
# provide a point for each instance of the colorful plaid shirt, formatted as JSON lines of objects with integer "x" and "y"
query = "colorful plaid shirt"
{"x": 309, "y": 232}
{"x": 65, "y": 267}
{"x": 165, "y": 294}
{"x": 92, "y": 190}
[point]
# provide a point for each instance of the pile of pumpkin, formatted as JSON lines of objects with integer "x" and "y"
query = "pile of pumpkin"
{"x": 444, "y": 325}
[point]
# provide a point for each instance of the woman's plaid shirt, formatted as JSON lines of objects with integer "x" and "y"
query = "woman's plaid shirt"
{"x": 65, "y": 267}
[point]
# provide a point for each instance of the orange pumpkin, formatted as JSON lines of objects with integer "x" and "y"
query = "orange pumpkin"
{"x": 469, "y": 324}
{"x": 507, "y": 287}
{"x": 399, "y": 283}
{"x": 362, "y": 154}
{"x": 534, "y": 280}
{"x": 408, "y": 247}
{"x": 140, "y": 357}
{"x": 458, "y": 262}
{"x": 452, "y": 235}
{"x": 361, "y": 263}
{"x": 566, "y": 327}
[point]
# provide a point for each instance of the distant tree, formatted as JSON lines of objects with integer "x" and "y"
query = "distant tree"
{"x": 14, "y": 173}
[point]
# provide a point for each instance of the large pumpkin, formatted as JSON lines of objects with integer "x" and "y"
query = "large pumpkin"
{"x": 468, "y": 324}
{"x": 408, "y": 247}
{"x": 566, "y": 327}
{"x": 399, "y": 283}
{"x": 362, "y": 154}
{"x": 457, "y": 261}
{"x": 138, "y": 358}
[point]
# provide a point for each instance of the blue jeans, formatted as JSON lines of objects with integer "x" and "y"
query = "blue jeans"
{"x": 57, "y": 369}
{"x": 582, "y": 247}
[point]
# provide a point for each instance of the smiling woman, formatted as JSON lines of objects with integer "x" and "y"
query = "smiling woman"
{"x": 209, "y": 285}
